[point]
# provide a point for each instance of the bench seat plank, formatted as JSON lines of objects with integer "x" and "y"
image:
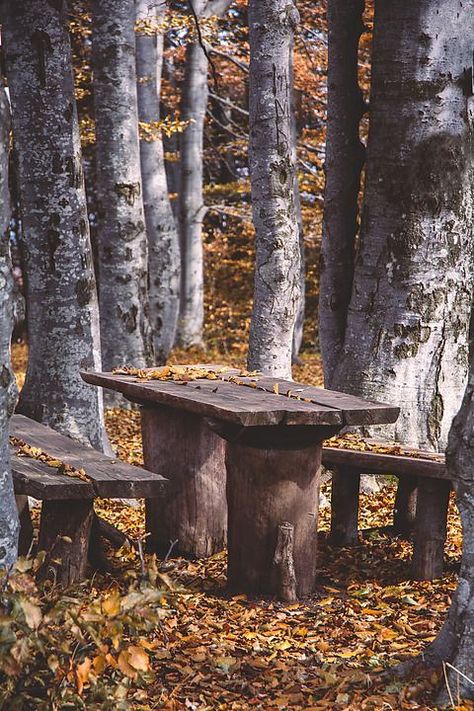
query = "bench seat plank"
{"x": 34, "y": 478}
{"x": 110, "y": 478}
{"x": 375, "y": 463}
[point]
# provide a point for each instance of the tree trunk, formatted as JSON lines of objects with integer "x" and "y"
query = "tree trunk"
{"x": 121, "y": 234}
{"x": 163, "y": 245}
{"x": 343, "y": 164}
{"x": 63, "y": 325}
{"x": 406, "y": 338}
{"x": 191, "y": 209}
{"x": 171, "y": 143}
{"x": 455, "y": 642}
{"x": 300, "y": 309}
{"x": 9, "y": 525}
{"x": 272, "y": 173}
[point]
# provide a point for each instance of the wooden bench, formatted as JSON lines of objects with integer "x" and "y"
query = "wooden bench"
{"x": 67, "y": 518}
{"x": 421, "y": 507}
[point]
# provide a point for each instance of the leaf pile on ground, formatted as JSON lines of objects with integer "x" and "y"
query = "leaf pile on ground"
{"x": 216, "y": 651}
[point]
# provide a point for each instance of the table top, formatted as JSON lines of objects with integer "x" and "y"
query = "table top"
{"x": 236, "y": 396}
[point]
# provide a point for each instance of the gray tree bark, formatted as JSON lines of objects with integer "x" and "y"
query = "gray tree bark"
{"x": 343, "y": 164}
{"x": 406, "y": 339}
{"x": 272, "y": 173}
{"x": 9, "y": 526}
{"x": 121, "y": 234}
{"x": 63, "y": 326}
{"x": 191, "y": 208}
{"x": 163, "y": 244}
{"x": 298, "y": 330}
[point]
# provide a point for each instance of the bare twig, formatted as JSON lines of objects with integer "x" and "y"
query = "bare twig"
{"x": 202, "y": 43}
{"x": 230, "y": 58}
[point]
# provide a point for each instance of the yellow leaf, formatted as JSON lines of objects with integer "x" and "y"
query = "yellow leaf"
{"x": 138, "y": 658}
{"x": 276, "y": 389}
{"x": 111, "y": 605}
{"x": 99, "y": 663}
{"x": 124, "y": 665}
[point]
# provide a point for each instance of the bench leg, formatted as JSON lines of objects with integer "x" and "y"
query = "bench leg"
{"x": 26, "y": 525}
{"x": 192, "y": 508}
{"x": 345, "y": 507}
{"x": 272, "y": 498}
{"x": 72, "y": 519}
{"x": 430, "y": 532}
{"x": 405, "y": 506}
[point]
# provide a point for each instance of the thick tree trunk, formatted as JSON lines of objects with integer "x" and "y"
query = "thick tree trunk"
{"x": 9, "y": 525}
{"x": 272, "y": 173}
{"x": 163, "y": 245}
{"x": 300, "y": 309}
{"x": 63, "y": 326}
{"x": 191, "y": 209}
{"x": 455, "y": 642}
{"x": 406, "y": 338}
{"x": 122, "y": 244}
{"x": 343, "y": 164}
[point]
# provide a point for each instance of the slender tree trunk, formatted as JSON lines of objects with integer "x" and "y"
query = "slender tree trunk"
{"x": 171, "y": 143}
{"x": 9, "y": 527}
{"x": 63, "y": 328}
{"x": 272, "y": 173}
{"x": 163, "y": 245}
{"x": 191, "y": 209}
{"x": 121, "y": 234}
{"x": 406, "y": 339}
{"x": 343, "y": 164}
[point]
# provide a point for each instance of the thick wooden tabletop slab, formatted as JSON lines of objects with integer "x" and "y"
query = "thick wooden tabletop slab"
{"x": 250, "y": 402}
{"x": 109, "y": 477}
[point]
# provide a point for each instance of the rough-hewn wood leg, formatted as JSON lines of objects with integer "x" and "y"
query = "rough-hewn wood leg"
{"x": 26, "y": 525}
{"x": 192, "y": 509}
{"x": 344, "y": 506}
{"x": 267, "y": 488}
{"x": 430, "y": 530}
{"x": 71, "y": 519}
{"x": 404, "y": 515}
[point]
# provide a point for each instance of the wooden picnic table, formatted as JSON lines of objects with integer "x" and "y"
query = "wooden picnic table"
{"x": 267, "y": 433}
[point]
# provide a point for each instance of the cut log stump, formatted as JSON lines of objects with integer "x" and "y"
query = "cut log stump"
{"x": 344, "y": 506}
{"x": 272, "y": 498}
{"x": 181, "y": 447}
{"x": 431, "y": 525}
{"x": 65, "y": 531}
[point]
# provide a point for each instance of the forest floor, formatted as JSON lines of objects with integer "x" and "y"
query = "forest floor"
{"x": 215, "y": 651}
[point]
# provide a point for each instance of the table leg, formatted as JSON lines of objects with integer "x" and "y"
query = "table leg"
{"x": 267, "y": 488}
{"x": 192, "y": 507}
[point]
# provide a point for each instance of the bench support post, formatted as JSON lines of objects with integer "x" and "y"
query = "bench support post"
{"x": 404, "y": 516}
{"x": 344, "y": 506}
{"x": 71, "y": 519}
{"x": 431, "y": 521}
{"x": 192, "y": 508}
{"x": 269, "y": 490}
